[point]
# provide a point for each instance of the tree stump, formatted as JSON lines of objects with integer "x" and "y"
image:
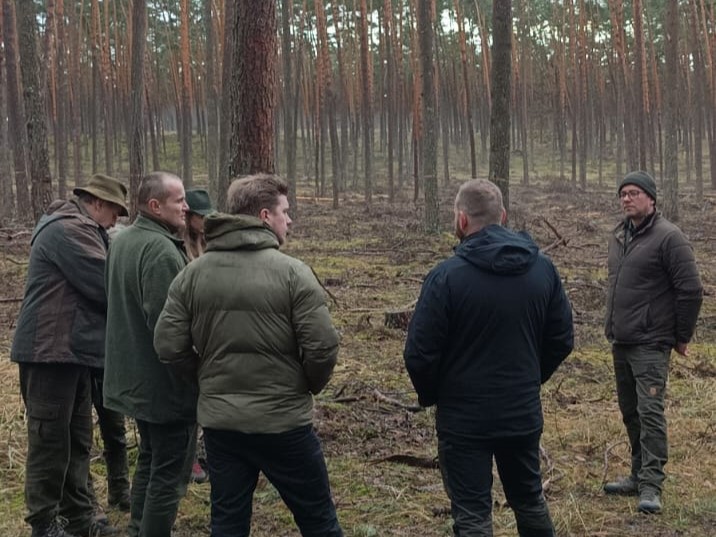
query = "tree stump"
{"x": 399, "y": 319}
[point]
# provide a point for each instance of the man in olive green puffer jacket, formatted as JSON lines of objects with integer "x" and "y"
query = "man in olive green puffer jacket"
{"x": 255, "y": 322}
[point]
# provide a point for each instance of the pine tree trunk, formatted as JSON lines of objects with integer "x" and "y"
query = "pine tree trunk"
{"x": 16, "y": 111}
{"x": 671, "y": 83}
{"x": 429, "y": 153}
{"x": 34, "y": 98}
{"x": 253, "y": 82}
{"x": 500, "y": 82}
{"x": 366, "y": 70}
{"x": 186, "y": 96}
{"x": 136, "y": 98}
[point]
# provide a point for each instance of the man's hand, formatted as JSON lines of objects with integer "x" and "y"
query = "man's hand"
{"x": 682, "y": 349}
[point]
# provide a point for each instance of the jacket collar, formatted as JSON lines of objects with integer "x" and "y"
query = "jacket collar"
{"x": 149, "y": 224}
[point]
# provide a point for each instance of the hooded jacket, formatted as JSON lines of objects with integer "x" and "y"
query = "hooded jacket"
{"x": 491, "y": 325}
{"x": 255, "y": 322}
{"x": 63, "y": 314}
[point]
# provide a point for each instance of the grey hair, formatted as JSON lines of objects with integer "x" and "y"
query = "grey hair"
{"x": 154, "y": 186}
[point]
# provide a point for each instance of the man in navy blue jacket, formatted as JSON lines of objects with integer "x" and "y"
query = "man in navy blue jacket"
{"x": 491, "y": 325}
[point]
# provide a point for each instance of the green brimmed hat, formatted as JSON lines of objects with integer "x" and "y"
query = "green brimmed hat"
{"x": 199, "y": 201}
{"x": 106, "y": 188}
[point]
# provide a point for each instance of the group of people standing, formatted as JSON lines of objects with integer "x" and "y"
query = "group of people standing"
{"x": 240, "y": 339}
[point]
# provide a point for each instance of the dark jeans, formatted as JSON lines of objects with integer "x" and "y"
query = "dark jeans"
{"x": 114, "y": 439}
{"x": 166, "y": 452}
{"x": 641, "y": 373}
{"x": 466, "y": 467}
{"x": 292, "y": 461}
{"x": 59, "y": 437}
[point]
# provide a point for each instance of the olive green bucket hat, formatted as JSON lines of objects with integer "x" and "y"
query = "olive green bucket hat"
{"x": 199, "y": 201}
{"x": 106, "y": 188}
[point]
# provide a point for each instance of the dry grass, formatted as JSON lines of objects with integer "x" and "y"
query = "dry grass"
{"x": 374, "y": 261}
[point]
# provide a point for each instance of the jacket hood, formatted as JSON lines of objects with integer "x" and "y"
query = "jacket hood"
{"x": 499, "y": 250}
{"x": 229, "y": 232}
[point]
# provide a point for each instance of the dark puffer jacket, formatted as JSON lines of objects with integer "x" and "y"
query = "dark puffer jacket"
{"x": 64, "y": 312}
{"x": 255, "y": 322}
{"x": 654, "y": 291}
{"x": 492, "y": 323}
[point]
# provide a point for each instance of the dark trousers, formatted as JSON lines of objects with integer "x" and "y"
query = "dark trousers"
{"x": 166, "y": 452}
{"x": 466, "y": 467}
{"x": 59, "y": 437}
{"x": 641, "y": 373}
{"x": 114, "y": 440}
{"x": 292, "y": 461}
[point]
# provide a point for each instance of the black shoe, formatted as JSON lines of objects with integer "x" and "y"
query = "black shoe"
{"x": 629, "y": 486}
{"x": 54, "y": 528}
{"x": 98, "y": 528}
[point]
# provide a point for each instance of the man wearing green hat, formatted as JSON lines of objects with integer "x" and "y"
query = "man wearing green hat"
{"x": 59, "y": 339}
{"x": 654, "y": 296}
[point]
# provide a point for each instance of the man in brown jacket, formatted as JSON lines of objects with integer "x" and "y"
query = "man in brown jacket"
{"x": 653, "y": 300}
{"x": 58, "y": 341}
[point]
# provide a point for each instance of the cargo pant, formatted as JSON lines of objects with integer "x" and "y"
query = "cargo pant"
{"x": 59, "y": 437}
{"x": 641, "y": 373}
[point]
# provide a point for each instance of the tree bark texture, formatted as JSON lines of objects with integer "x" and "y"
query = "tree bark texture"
{"x": 34, "y": 99}
{"x": 501, "y": 90}
{"x": 136, "y": 97}
{"x": 255, "y": 81}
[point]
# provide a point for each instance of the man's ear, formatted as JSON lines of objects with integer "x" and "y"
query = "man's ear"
{"x": 503, "y": 218}
{"x": 462, "y": 220}
{"x": 153, "y": 205}
{"x": 263, "y": 214}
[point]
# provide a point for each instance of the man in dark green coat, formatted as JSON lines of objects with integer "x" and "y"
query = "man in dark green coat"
{"x": 59, "y": 340}
{"x": 143, "y": 260}
{"x": 255, "y": 323}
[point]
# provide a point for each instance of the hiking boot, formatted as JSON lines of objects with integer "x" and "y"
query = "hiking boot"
{"x": 54, "y": 528}
{"x": 649, "y": 501}
{"x": 629, "y": 486}
{"x": 119, "y": 499}
{"x": 98, "y": 528}
{"x": 198, "y": 475}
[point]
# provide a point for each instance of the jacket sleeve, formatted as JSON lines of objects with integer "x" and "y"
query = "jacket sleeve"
{"x": 427, "y": 338}
{"x": 172, "y": 334}
{"x": 80, "y": 254}
{"x": 158, "y": 272}
{"x": 316, "y": 337}
{"x": 680, "y": 264}
{"x": 558, "y": 335}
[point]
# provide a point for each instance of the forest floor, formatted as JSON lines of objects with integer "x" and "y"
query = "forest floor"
{"x": 380, "y": 449}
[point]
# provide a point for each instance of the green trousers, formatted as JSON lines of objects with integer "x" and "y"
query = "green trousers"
{"x": 641, "y": 373}
{"x": 59, "y": 437}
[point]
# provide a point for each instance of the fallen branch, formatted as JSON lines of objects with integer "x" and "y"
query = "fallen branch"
{"x": 10, "y": 300}
{"x": 410, "y": 460}
{"x": 335, "y": 301}
{"x": 606, "y": 458}
{"x": 391, "y": 401}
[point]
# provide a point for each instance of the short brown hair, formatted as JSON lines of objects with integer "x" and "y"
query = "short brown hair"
{"x": 248, "y": 195}
{"x": 481, "y": 201}
{"x": 154, "y": 186}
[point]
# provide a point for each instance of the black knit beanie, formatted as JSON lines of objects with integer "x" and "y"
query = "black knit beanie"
{"x": 641, "y": 179}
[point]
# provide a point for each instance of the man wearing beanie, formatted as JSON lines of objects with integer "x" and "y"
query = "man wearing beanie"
{"x": 58, "y": 343}
{"x": 654, "y": 296}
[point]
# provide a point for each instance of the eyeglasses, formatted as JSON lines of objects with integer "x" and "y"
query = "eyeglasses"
{"x": 631, "y": 194}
